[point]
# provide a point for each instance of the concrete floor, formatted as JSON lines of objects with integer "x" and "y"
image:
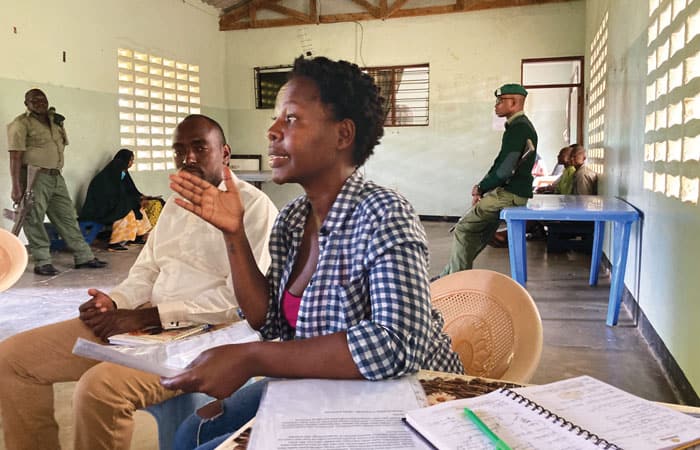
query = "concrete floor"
{"x": 37, "y": 300}
{"x": 576, "y": 339}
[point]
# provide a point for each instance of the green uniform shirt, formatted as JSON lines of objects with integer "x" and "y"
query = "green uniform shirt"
{"x": 518, "y": 130}
{"x": 42, "y": 145}
{"x": 565, "y": 184}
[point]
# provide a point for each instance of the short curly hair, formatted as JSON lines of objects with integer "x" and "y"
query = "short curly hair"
{"x": 351, "y": 94}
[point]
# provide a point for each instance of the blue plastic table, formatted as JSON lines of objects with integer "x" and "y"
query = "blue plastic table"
{"x": 592, "y": 208}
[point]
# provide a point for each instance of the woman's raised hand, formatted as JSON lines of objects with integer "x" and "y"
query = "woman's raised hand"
{"x": 223, "y": 209}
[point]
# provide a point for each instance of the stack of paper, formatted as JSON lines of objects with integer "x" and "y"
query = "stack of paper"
{"x": 157, "y": 336}
{"x": 170, "y": 358}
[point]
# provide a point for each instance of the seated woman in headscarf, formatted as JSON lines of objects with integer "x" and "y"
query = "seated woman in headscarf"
{"x": 112, "y": 199}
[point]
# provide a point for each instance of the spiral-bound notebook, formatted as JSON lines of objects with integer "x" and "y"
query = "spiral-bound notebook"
{"x": 578, "y": 413}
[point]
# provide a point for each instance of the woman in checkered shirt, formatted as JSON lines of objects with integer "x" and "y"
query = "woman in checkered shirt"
{"x": 347, "y": 293}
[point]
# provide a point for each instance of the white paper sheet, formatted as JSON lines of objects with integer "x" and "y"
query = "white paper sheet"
{"x": 166, "y": 359}
{"x": 625, "y": 419}
{"x": 347, "y": 414}
{"x": 148, "y": 359}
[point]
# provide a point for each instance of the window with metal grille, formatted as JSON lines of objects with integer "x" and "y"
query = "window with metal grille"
{"x": 406, "y": 91}
{"x": 155, "y": 94}
{"x": 268, "y": 81}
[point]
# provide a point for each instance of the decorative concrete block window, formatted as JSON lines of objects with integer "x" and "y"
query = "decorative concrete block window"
{"x": 672, "y": 137}
{"x": 596, "y": 97}
{"x": 155, "y": 94}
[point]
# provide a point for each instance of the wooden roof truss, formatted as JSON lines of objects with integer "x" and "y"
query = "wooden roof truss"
{"x": 247, "y": 14}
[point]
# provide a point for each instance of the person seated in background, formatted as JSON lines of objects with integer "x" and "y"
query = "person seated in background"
{"x": 347, "y": 292}
{"x": 539, "y": 168}
{"x": 565, "y": 183}
{"x": 180, "y": 278}
{"x": 562, "y": 158}
{"x": 585, "y": 180}
{"x": 577, "y": 179}
{"x": 113, "y": 199}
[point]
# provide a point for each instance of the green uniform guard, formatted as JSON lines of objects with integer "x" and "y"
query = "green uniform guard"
{"x": 507, "y": 183}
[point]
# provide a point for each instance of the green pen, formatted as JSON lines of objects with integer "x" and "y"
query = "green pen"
{"x": 500, "y": 445}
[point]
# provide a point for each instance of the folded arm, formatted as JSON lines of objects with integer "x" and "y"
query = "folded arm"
{"x": 104, "y": 319}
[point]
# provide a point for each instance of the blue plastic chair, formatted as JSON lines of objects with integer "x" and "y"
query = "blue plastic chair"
{"x": 89, "y": 229}
{"x": 171, "y": 413}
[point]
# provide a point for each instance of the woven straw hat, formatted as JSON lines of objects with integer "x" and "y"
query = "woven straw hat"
{"x": 13, "y": 259}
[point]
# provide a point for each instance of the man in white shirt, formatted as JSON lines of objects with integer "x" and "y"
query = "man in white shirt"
{"x": 181, "y": 277}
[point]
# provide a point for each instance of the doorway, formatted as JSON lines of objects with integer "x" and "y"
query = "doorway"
{"x": 554, "y": 103}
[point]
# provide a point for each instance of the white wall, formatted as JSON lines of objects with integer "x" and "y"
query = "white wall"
{"x": 661, "y": 270}
{"x": 449, "y": 155}
{"x": 470, "y": 55}
{"x": 84, "y": 88}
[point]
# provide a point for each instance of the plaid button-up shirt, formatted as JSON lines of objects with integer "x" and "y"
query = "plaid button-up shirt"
{"x": 371, "y": 281}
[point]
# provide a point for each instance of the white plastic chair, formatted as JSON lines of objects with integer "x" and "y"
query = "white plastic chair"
{"x": 13, "y": 259}
{"x": 493, "y": 322}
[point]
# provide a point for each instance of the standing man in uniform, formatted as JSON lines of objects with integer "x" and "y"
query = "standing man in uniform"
{"x": 38, "y": 138}
{"x": 507, "y": 183}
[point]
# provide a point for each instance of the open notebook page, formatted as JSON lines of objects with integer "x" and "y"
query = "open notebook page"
{"x": 445, "y": 426}
{"x": 622, "y": 418}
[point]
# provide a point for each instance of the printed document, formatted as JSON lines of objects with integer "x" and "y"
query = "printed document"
{"x": 321, "y": 414}
{"x": 170, "y": 358}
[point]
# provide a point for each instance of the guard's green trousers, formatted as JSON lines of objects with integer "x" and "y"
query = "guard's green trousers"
{"x": 51, "y": 198}
{"x": 476, "y": 228}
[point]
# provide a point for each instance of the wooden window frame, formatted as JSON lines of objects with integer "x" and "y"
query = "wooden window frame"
{"x": 393, "y": 119}
{"x": 579, "y": 85}
{"x": 261, "y": 99}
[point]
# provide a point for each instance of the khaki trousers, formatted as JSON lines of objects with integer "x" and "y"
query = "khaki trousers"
{"x": 104, "y": 400}
{"x": 51, "y": 198}
{"x": 476, "y": 228}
